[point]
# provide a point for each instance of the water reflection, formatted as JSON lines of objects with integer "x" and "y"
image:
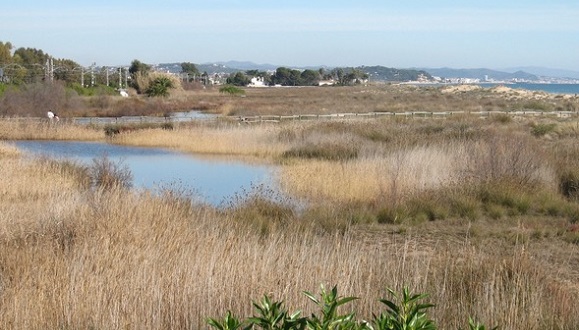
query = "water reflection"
{"x": 214, "y": 181}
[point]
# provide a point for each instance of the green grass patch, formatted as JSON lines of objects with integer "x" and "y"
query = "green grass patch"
{"x": 539, "y": 130}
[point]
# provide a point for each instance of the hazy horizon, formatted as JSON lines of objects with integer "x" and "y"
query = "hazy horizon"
{"x": 410, "y": 34}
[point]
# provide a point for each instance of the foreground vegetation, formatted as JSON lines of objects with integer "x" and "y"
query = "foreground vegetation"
{"x": 481, "y": 214}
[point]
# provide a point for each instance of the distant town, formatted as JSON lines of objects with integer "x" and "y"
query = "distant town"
{"x": 218, "y": 73}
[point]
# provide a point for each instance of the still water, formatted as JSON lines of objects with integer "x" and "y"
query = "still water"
{"x": 212, "y": 181}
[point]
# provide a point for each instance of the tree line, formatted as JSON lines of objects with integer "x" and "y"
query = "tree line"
{"x": 284, "y": 76}
{"x": 30, "y": 65}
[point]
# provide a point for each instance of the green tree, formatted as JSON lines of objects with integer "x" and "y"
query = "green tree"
{"x": 348, "y": 76}
{"x": 67, "y": 70}
{"x": 33, "y": 60}
{"x": 5, "y": 53}
{"x": 160, "y": 87}
{"x": 139, "y": 75}
{"x": 287, "y": 77}
{"x": 190, "y": 69}
{"x": 256, "y": 73}
{"x": 238, "y": 79}
{"x": 309, "y": 77}
{"x": 30, "y": 56}
{"x": 138, "y": 66}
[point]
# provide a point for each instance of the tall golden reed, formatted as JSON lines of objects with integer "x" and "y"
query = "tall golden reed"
{"x": 73, "y": 257}
{"x": 43, "y": 129}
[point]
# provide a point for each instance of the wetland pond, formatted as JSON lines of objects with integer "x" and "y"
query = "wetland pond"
{"x": 213, "y": 181}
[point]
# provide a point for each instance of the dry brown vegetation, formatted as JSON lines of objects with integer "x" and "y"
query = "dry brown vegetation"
{"x": 480, "y": 213}
{"x": 35, "y": 100}
{"x": 77, "y": 258}
{"x": 376, "y": 98}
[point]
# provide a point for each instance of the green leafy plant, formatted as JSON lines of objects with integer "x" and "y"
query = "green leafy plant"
{"x": 409, "y": 314}
{"x": 229, "y": 322}
{"x": 273, "y": 316}
{"x": 330, "y": 318}
{"x": 472, "y": 325}
{"x": 231, "y": 90}
{"x": 404, "y": 312}
{"x": 160, "y": 87}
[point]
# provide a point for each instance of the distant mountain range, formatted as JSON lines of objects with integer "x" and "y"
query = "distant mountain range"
{"x": 381, "y": 73}
{"x": 481, "y": 74}
{"x": 526, "y": 73}
{"x": 546, "y": 72}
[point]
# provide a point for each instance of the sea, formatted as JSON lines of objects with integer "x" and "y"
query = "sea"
{"x": 549, "y": 88}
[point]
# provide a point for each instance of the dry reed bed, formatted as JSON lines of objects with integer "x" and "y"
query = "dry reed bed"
{"x": 228, "y": 140}
{"x": 45, "y": 130}
{"x": 72, "y": 257}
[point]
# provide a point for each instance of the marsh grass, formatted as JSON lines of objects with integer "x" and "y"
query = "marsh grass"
{"x": 228, "y": 140}
{"x": 106, "y": 174}
{"x": 9, "y": 150}
{"x": 483, "y": 237}
{"x": 15, "y": 129}
{"x": 79, "y": 258}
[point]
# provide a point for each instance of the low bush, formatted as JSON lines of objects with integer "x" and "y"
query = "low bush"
{"x": 502, "y": 118}
{"x": 391, "y": 215}
{"x": 405, "y": 311}
{"x": 569, "y": 183}
{"x": 537, "y": 105}
{"x": 231, "y": 90}
{"x": 160, "y": 86}
{"x": 324, "y": 151}
{"x": 539, "y": 130}
{"x": 106, "y": 174}
{"x": 113, "y": 129}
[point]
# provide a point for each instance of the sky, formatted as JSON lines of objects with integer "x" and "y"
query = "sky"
{"x": 494, "y": 34}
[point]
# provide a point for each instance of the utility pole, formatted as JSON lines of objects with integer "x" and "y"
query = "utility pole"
{"x": 107, "y": 74}
{"x": 92, "y": 74}
{"x": 47, "y": 70}
{"x": 126, "y": 78}
{"x": 51, "y": 70}
{"x": 120, "y": 78}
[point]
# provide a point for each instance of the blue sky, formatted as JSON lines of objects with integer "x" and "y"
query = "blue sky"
{"x": 402, "y": 34}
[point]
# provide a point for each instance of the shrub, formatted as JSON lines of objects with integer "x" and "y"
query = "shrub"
{"x": 539, "y": 130}
{"x": 537, "y": 105}
{"x": 160, "y": 87}
{"x": 106, "y": 174}
{"x": 502, "y": 118}
{"x": 229, "y": 322}
{"x": 391, "y": 215}
{"x": 404, "y": 312}
{"x": 329, "y": 317}
{"x": 465, "y": 206}
{"x": 272, "y": 315}
{"x": 112, "y": 130}
{"x": 324, "y": 151}
{"x": 427, "y": 208}
{"x": 513, "y": 158}
{"x": 569, "y": 184}
{"x": 409, "y": 314}
{"x": 231, "y": 90}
